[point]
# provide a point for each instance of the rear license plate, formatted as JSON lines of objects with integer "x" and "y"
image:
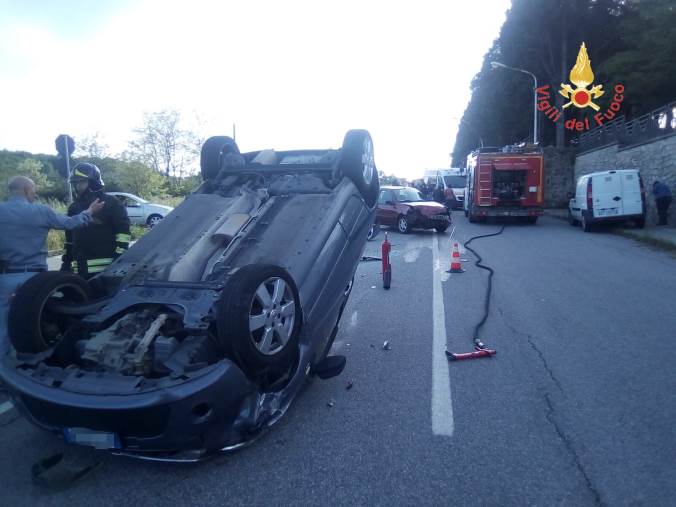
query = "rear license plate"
{"x": 439, "y": 217}
{"x": 605, "y": 212}
{"x": 96, "y": 439}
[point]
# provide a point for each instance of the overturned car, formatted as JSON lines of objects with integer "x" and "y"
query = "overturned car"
{"x": 201, "y": 334}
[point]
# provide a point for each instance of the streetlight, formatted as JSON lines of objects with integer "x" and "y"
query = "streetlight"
{"x": 495, "y": 65}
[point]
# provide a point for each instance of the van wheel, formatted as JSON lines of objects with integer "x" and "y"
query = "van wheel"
{"x": 358, "y": 164}
{"x": 213, "y": 151}
{"x": 259, "y": 318}
{"x": 32, "y": 326}
{"x": 571, "y": 219}
{"x": 586, "y": 226}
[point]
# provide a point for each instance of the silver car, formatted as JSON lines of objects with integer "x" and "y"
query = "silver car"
{"x": 140, "y": 211}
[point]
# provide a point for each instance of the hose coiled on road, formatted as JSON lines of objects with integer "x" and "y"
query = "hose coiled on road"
{"x": 487, "y": 300}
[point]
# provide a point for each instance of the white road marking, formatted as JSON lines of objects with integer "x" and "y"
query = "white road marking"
{"x": 6, "y": 407}
{"x": 442, "y": 404}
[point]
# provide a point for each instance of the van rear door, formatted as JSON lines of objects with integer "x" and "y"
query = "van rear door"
{"x": 631, "y": 193}
{"x": 607, "y": 194}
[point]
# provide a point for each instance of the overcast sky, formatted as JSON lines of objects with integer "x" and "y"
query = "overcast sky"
{"x": 290, "y": 74}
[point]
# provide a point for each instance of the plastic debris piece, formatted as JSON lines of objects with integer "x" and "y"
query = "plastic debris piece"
{"x": 373, "y": 286}
{"x": 330, "y": 403}
{"x": 349, "y": 385}
{"x": 387, "y": 346}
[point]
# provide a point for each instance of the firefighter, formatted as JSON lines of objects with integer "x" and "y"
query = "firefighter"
{"x": 89, "y": 251}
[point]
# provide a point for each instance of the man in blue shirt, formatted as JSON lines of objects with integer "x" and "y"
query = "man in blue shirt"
{"x": 23, "y": 234}
{"x": 662, "y": 195}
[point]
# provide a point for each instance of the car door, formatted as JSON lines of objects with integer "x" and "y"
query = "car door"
{"x": 631, "y": 193}
{"x": 607, "y": 194}
{"x": 135, "y": 211}
{"x": 578, "y": 203}
{"x": 387, "y": 209}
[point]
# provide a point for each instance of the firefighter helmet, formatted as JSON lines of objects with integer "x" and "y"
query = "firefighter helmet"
{"x": 89, "y": 172}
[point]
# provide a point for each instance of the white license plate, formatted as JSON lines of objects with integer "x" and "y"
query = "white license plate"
{"x": 96, "y": 439}
{"x": 605, "y": 212}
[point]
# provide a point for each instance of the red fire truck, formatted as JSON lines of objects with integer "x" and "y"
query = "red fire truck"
{"x": 505, "y": 181}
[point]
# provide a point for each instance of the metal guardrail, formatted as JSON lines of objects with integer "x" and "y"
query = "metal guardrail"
{"x": 654, "y": 125}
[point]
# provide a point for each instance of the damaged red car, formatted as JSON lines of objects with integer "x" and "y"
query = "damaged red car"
{"x": 405, "y": 209}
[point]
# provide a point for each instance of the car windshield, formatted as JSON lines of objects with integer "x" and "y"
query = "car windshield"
{"x": 408, "y": 194}
{"x": 455, "y": 181}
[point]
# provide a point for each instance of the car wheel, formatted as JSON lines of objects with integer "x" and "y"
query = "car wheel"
{"x": 153, "y": 220}
{"x": 211, "y": 156}
{"x": 358, "y": 164}
{"x": 32, "y": 326}
{"x": 441, "y": 228}
{"x": 402, "y": 225}
{"x": 259, "y": 318}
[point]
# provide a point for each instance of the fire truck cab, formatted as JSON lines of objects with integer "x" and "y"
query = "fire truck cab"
{"x": 505, "y": 181}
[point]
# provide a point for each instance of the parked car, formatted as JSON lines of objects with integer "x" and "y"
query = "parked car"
{"x": 202, "y": 334}
{"x": 608, "y": 197}
{"x": 405, "y": 209}
{"x": 140, "y": 211}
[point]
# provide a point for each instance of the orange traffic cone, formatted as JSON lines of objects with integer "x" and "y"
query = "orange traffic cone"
{"x": 456, "y": 267}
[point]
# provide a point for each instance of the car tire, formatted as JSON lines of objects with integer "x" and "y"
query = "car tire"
{"x": 211, "y": 156}
{"x": 32, "y": 328}
{"x": 153, "y": 220}
{"x": 358, "y": 164}
{"x": 639, "y": 223}
{"x": 249, "y": 301}
{"x": 441, "y": 228}
{"x": 402, "y": 225}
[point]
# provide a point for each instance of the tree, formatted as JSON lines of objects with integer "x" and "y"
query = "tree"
{"x": 91, "y": 146}
{"x": 162, "y": 144}
{"x": 28, "y": 167}
{"x": 139, "y": 179}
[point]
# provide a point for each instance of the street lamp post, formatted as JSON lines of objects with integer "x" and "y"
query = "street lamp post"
{"x": 495, "y": 65}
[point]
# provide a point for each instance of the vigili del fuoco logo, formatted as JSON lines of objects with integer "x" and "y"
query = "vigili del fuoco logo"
{"x": 581, "y": 75}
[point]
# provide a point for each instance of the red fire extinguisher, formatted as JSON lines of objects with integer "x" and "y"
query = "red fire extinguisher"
{"x": 387, "y": 267}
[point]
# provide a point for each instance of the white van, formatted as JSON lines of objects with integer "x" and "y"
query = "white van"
{"x": 608, "y": 196}
{"x": 452, "y": 182}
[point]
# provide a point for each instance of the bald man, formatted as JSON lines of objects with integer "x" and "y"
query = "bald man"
{"x": 23, "y": 232}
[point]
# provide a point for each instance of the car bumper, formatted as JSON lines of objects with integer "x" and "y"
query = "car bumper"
{"x": 508, "y": 212}
{"x": 427, "y": 222}
{"x": 200, "y": 413}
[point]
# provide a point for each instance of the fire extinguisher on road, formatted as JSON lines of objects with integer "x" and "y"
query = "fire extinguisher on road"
{"x": 387, "y": 267}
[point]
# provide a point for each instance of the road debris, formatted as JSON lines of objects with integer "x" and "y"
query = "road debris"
{"x": 59, "y": 471}
{"x": 387, "y": 346}
{"x": 330, "y": 404}
{"x": 349, "y": 385}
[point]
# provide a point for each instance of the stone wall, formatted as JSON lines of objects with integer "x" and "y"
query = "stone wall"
{"x": 559, "y": 176}
{"x": 656, "y": 160}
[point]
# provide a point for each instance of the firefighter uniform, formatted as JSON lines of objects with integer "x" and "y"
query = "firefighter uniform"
{"x": 89, "y": 251}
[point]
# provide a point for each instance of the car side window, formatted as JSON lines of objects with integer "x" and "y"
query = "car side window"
{"x": 385, "y": 195}
{"x": 132, "y": 203}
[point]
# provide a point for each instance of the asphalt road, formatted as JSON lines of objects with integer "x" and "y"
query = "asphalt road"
{"x": 577, "y": 408}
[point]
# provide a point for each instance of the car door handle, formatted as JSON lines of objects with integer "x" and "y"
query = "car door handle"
{"x": 616, "y": 198}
